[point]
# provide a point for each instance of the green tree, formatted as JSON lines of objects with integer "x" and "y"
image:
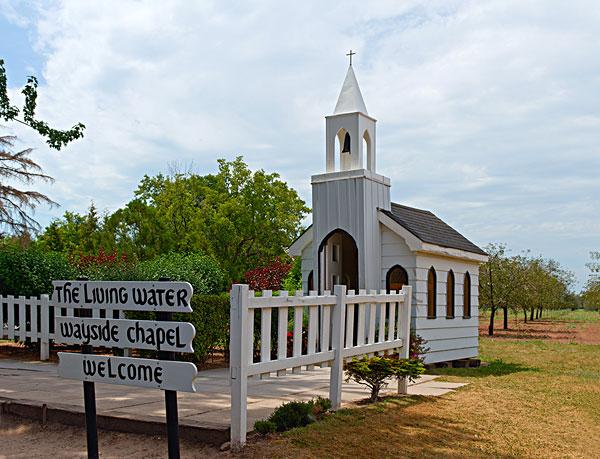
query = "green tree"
{"x": 591, "y": 292}
{"x": 241, "y": 218}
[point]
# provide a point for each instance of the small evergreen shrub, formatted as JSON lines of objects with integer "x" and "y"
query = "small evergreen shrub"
{"x": 265, "y": 427}
{"x": 293, "y": 414}
{"x": 374, "y": 372}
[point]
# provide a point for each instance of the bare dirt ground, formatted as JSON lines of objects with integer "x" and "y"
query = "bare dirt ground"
{"x": 558, "y": 329}
{"x": 21, "y": 438}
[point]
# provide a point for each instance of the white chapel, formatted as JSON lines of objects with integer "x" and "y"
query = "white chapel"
{"x": 361, "y": 239}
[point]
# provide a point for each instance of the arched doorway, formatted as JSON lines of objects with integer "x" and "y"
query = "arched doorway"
{"x": 396, "y": 278}
{"x": 338, "y": 261}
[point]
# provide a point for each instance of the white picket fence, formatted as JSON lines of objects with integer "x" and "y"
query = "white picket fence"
{"x": 324, "y": 333}
{"x": 32, "y": 318}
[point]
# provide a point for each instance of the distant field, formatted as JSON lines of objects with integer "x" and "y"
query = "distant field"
{"x": 537, "y": 398}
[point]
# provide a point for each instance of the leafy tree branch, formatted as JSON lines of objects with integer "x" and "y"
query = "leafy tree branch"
{"x": 55, "y": 138}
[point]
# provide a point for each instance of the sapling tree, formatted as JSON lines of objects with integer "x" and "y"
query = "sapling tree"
{"x": 375, "y": 372}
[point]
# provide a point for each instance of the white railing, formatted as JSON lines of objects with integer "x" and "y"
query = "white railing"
{"x": 325, "y": 330}
{"x": 32, "y": 318}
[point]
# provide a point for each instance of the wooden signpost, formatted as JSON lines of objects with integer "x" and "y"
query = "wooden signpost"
{"x": 162, "y": 335}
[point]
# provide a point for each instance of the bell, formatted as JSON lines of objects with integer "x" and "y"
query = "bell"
{"x": 346, "y": 148}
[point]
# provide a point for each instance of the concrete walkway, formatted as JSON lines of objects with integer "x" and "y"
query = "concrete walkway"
{"x": 37, "y": 383}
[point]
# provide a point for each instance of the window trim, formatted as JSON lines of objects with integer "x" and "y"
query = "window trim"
{"x": 431, "y": 296}
{"x": 467, "y": 296}
{"x": 450, "y": 295}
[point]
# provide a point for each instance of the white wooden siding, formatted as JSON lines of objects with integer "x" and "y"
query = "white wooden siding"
{"x": 448, "y": 339}
{"x": 307, "y": 267}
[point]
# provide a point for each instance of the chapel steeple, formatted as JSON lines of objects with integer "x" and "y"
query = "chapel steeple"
{"x": 351, "y": 128}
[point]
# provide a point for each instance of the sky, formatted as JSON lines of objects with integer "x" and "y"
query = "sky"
{"x": 488, "y": 111}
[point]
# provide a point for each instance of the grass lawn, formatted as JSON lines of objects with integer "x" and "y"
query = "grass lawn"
{"x": 537, "y": 398}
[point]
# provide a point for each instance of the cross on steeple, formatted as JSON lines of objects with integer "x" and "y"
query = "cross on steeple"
{"x": 350, "y": 54}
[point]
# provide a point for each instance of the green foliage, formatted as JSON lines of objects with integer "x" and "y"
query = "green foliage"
{"x": 201, "y": 271}
{"x": 374, "y": 372}
{"x": 210, "y": 317}
{"x": 294, "y": 414}
{"x": 237, "y": 216}
{"x": 55, "y": 138}
{"x": 522, "y": 282}
{"x": 293, "y": 280}
{"x": 265, "y": 427}
{"x": 418, "y": 346}
{"x": 30, "y": 271}
{"x": 591, "y": 292}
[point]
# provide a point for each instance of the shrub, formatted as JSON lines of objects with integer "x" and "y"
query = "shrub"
{"x": 293, "y": 414}
{"x": 30, "y": 270}
{"x": 201, "y": 271}
{"x": 417, "y": 347}
{"x": 265, "y": 427}
{"x": 210, "y": 317}
{"x": 374, "y": 372}
{"x": 269, "y": 277}
{"x": 113, "y": 266}
{"x": 293, "y": 280}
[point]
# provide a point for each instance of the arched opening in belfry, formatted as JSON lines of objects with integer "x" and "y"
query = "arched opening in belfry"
{"x": 344, "y": 149}
{"x": 367, "y": 150}
{"x": 338, "y": 261}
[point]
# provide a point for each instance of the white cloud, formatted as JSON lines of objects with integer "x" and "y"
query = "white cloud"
{"x": 488, "y": 111}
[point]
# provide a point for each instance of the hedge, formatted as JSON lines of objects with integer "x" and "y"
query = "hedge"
{"x": 30, "y": 271}
{"x": 210, "y": 317}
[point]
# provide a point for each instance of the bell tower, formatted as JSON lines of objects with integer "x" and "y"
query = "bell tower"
{"x": 346, "y": 198}
{"x": 351, "y": 129}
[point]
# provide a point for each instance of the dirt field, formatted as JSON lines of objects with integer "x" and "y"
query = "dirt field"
{"x": 563, "y": 326}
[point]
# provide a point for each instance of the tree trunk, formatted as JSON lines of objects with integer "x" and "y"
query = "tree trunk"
{"x": 541, "y": 309}
{"x": 491, "y": 327}
{"x": 505, "y": 317}
{"x": 537, "y": 313}
{"x": 531, "y": 314}
{"x": 525, "y": 314}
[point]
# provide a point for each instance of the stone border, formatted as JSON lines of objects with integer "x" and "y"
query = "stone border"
{"x": 149, "y": 425}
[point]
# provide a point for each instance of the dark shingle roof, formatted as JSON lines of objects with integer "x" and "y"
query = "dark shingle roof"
{"x": 429, "y": 228}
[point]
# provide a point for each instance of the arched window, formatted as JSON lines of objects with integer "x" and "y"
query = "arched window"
{"x": 311, "y": 281}
{"x": 431, "y": 293}
{"x": 367, "y": 151}
{"x": 467, "y": 296}
{"x": 396, "y": 278}
{"x": 450, "y": 295}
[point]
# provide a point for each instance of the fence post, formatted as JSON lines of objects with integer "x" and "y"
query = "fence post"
{"x": 238, "y": 366}
{"x": 45, "y": 327}
{"x": 337, "y": 345}
{"x": 405, "y": 313}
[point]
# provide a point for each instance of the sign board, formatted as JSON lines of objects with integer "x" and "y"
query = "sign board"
{"x": 138, "y": 334}
{"x": 131, "y": 296}
{"x": 156, "y": 374}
